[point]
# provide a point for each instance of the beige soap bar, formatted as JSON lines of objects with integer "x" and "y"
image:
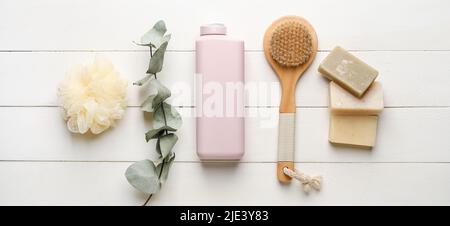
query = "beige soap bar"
{"x": 353, "y": 130}
{"x": 342, "y": 102}
{"x": 348, "y": 71}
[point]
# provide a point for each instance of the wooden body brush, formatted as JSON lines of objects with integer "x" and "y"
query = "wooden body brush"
{"x": 290, "y": 45}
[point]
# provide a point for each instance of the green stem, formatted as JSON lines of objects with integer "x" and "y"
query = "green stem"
{"x": 148, "y": 199}
{"x": 166, "y": 132}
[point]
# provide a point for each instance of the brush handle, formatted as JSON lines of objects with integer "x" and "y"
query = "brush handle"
{"x": 288, "y": 86}
{"x": 286, "y": 144}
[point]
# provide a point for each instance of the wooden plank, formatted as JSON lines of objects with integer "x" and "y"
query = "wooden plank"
{"x": 404, "y": 135}
{"x": 45, "y": 71}
{"x": 62, "y": 25}
{"x": 56, "y": 183}
{"x": 31, "y": 79}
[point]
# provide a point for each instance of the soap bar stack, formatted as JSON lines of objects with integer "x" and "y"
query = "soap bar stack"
{"x": 356, "y": 99}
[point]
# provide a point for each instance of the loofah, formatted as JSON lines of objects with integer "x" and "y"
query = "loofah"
{"x": 291, "y": 44}
{"x": 92, "y": 97}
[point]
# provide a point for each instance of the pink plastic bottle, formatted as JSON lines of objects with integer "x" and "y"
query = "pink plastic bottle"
{"x": 220, "y": 89}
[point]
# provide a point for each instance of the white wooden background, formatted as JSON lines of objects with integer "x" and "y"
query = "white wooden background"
{"x": 41, "y": 163}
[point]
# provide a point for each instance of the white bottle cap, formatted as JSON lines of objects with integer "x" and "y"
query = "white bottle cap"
{"x": 213, "y": 29}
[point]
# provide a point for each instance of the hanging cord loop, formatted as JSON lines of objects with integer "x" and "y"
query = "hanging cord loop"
{"x": 307, "y": 182}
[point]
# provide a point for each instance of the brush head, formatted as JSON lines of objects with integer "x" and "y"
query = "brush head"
{"x": 291, "y": 43}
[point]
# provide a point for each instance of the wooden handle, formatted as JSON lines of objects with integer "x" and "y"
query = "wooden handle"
{"x": 288, "y": 85}
{"x": 286, "y": 144}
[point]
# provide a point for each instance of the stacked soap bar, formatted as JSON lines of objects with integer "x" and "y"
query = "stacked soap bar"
{"x": 344, "y": 103}
{"x": 355, "y": 99}
{"x": 353, "y": 130}
{"x": 354, "y": 120}
{"x": 348, "y": 71}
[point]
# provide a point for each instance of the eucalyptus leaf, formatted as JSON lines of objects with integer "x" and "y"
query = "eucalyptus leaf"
{"x": 153, "y": 101}
{"x": 168, "y": 161}
{"x": 157, "y": 132}
{"x": 158, "y": 160}
{"x": 169, "y": 116}
{"x": 156, "y": 62}
{"x": 142, "y": 81}
{"x": 166, "y": 144}
{"x": 144, "y": 176}
{"x": 155, "y": 36}
{"x": 164, "y": 39}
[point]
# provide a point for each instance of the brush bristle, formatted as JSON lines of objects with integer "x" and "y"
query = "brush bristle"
{"x": 290, "y": 44}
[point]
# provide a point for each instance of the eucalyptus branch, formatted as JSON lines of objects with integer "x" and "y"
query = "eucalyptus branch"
{"x": 150, "y": 196}
{"x": 148, "y": 176}
{"x": 165, "y": 123}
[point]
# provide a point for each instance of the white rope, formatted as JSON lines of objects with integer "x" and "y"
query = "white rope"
{"x": 308, "y": 182}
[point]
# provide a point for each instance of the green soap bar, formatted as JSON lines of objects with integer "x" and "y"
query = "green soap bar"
{"x": 348, "y": 71}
